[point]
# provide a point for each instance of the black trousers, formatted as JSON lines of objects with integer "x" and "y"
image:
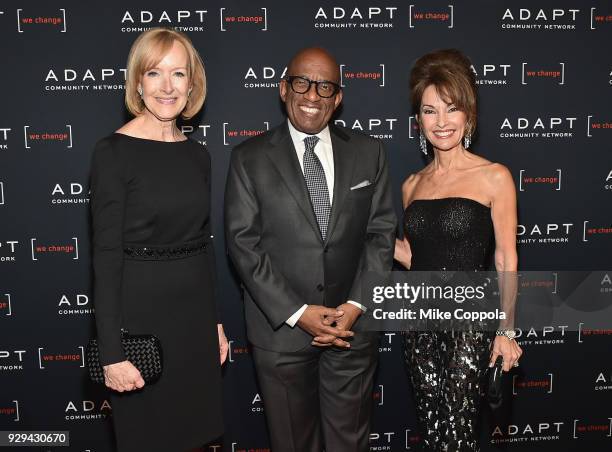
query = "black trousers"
{"x": 319, "y": 398}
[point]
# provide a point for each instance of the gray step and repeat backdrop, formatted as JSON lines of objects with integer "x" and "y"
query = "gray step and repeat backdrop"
{"x": 544, "y": 70}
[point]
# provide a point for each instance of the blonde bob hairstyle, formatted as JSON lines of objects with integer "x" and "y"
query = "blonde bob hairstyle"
{"x": 146, "y": 52}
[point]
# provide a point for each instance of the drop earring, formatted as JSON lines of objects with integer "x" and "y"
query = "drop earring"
{"x": 423, "y": 142}
{"x": 467, "y": 140}
{"x": 140, "y": 91}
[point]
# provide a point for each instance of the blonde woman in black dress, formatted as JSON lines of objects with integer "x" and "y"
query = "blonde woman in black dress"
{"x": 154, "y": 267}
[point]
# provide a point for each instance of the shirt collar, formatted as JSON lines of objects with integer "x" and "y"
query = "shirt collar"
{"x": 298, "y": 136}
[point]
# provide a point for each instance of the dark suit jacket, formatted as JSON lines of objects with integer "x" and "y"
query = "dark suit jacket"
{"x": 274, "y": 240}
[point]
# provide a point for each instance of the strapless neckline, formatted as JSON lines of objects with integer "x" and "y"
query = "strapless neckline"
{"x": 450, "y": 198}
{"x": 454, "y": 233}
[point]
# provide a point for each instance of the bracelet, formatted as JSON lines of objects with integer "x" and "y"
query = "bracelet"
{"x": 510, "y": 333}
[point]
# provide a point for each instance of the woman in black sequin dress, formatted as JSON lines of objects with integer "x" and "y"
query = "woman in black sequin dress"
{"x": 153, "y": 257}
{"x": 458, "y": 210}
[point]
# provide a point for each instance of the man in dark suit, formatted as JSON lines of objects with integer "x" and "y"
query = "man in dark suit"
{"x": 307, "y": 211}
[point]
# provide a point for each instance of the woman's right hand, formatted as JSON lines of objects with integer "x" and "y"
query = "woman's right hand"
{"x": 402, "y": 252}
{"x": 122, "y": 376}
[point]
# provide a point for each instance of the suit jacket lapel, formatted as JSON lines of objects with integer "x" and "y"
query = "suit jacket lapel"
{"x": 344, "y": 162}
{"x": 283, "y": 156}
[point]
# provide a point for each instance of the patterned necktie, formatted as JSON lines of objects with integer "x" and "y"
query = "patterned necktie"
{"x": 317, "y": 184}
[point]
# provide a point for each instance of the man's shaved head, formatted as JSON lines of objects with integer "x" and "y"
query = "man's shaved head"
{"x": 318, "y": 54}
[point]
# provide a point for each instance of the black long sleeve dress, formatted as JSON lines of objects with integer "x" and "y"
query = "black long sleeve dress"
{"x": 154, "y": 273}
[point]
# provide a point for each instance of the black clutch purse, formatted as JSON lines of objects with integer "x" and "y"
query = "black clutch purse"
{"x": 494, "y": 390}
{"x": 143, "y": 351}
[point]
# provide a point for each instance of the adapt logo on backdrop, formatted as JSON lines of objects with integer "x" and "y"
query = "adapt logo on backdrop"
{"x": 492, "y": 74}
{"x": 86, "y": 410}
{"x": 545, "y": 233}
{"x": 69, "y": 193}
{"x": 49, "y": 137}
{"x": 75, "y": 305}
{"x": 381, "y": 128}
{"x": 522, "y": 384}
{"x": 549, "y": 182}
{"x": 530, "y": 282}
{"x": 542, "y": 431}
{"x": 137, "y": 21}
{"x": 373, "y": 75}
{"x": 235, "y": 133}
{"x": 594, "y": 429}
{"x": 539, "y": 73}
{"x": 253, "y": 18}
{"x": 503, "y": 74}
{"x": 540, "y": 127}
{"x": 421, "y": 15}
{"x": 263, "y": 76}
{"x": 48, "y": 19}
{"x": 49, "y": 359}
{"x": 354, "y": 17}
{"x": 43, "y": 249}
{"x": 559, "y": 19}
{"x": 84, "y": 79}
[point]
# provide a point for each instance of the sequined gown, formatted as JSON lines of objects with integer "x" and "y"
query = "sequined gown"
{"x": 153, "y": 274}
{"x": 446, "y": 368}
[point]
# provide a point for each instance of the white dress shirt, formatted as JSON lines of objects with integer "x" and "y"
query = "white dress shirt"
{"x": 324, "y": 151}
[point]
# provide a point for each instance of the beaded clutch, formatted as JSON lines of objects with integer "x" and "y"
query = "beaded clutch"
{"x": 143, "y": 351}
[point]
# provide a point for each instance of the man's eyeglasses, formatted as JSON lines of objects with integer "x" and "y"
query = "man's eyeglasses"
{"x": 301, "y": 85}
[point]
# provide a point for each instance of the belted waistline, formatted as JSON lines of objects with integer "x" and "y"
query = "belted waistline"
{"x": 164, "y": 253}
